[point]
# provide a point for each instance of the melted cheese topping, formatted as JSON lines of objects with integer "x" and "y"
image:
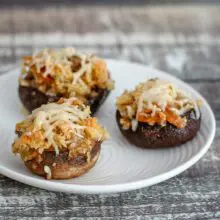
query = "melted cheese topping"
{"x": 47, "y": 170}
{"x": 48, "y": 116}
{"x": 66, "y": 124}
{"x": 154, "y": 102}
{"x": 158, "y": 94}
{"x": 51, "y": 59}
{"x": 65, "y": 72}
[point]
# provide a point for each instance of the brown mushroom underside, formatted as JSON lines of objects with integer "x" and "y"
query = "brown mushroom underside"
{"x": 147, "y": 136}
{"x": 32, "y": 98}
{"x": 61, "y": 166}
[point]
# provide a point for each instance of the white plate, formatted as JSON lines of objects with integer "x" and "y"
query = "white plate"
{"x": 121, "y": 166}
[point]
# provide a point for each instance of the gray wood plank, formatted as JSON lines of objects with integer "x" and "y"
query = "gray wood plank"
{"x": 175, "y": 20}
{"x": 163, "y": 37}
{"x": 176, "y": 198}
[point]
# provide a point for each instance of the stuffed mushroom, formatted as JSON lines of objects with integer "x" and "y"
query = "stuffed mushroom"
{"x": 156, "y": 114}
{"x": 50, "y": 75}
{"x": 59, "y": 140}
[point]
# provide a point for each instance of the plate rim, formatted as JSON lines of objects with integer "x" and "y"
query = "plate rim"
{"x": 120, "y": 187}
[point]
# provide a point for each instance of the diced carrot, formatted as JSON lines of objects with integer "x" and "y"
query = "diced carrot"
{"x": 147, "y": 111}
{"x": 160, "y": 117}
{"x": 175, "y": 119}
{"x": 156, "y": 119}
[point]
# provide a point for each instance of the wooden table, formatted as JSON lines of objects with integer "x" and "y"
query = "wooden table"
{"x": 182, "y": 40}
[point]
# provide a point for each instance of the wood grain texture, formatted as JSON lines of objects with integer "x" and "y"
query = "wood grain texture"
{"x": 182, "y": 40}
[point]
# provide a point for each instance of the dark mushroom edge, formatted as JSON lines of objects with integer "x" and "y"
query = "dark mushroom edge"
{"x": 147, "y": 136}
{"x": 32, "y": 98}
{"x": 61, "y": 167}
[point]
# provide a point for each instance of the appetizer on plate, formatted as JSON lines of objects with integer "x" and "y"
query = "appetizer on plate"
{"x": 50, "y": 75}
{"x": 59, "y": 140}
{"x": 157, "y": 114}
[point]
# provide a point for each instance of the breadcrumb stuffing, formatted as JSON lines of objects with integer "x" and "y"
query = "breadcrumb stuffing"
{"x": 154, "y": 102}
{"x": 58, "y": 126}
{"x": 65, "y": 72}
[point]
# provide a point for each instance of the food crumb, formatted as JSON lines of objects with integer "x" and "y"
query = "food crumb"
{"x": 47, "y": 170}
{"x": 54, "y": 164}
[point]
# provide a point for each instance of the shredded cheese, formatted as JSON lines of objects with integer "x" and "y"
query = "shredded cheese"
{"x": 65, "y": 71}
{"x": 47, "y": 170}
{"x": 158, "y": 96}
{"x": 47, "y": 117}
{"x": 134, "y": 124}
{"x": 149, "y": 102}
{"x": 66, "y": 125}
